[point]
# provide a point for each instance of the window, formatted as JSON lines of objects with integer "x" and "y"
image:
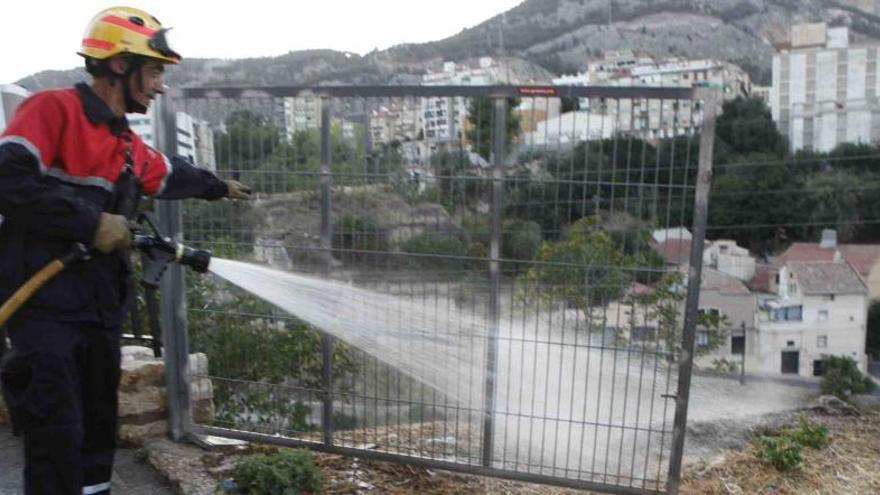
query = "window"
{"x": 790, "y": 343}
{"x": 642, "y": 334}
{"x": 702, "y": 338}
{"x": 790, "y": 313}
{"x": 822, "y": 341}
{"x": 823, "y": 314}
{"x": 710, "y": 314}
{"x": 818, "y": 367}
{"x": 738, "y": 344}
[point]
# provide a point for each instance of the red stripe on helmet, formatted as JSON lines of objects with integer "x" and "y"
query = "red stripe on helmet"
{"x": 100, "y": 44}
{"x": 125, "y": 23}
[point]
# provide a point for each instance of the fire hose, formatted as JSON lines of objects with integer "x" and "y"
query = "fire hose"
{"x": 158, "y": 252}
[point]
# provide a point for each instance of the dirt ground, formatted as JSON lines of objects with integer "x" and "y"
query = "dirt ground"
{"x": 850, "y": 464}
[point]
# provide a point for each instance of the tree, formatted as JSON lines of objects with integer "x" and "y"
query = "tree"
{"x": 590, "y": 265}
{"x": 249, "y": 138}
{"x": 481, "y": 117}
{"x": 837, "y": 200}
{"x": 748, "y": 203}
{"x": 746, "y": 126}
{"x": 665, "y": 305}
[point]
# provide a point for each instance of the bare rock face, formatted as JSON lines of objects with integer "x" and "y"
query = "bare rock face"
{"x": 143, "y": 406}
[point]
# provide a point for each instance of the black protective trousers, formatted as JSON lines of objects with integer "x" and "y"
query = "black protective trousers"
{"x": 61, "y": 379}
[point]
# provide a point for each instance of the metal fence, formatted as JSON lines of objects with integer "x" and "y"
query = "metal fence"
{"x": 525, "y": 212}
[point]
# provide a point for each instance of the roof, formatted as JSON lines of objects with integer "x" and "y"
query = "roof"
{"x": 761, "y": 281}
{"x": 663, "y": 235}
{"x": 674, "y": 251}
{"x": 722, "y": 282}
{"x": 822, "y": 277}
{"x": 863, "y": 257}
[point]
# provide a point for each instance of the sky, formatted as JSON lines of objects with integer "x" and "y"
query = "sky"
{"x": 45, "y": 34}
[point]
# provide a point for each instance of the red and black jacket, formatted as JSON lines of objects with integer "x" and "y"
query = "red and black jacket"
{"x": 60, "y": 157}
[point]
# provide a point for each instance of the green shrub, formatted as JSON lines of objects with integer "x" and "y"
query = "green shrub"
{"x": 842, "y": 378}
{"x": 781, "y": 452}
{"x": 446, "y": 251}
{"x": 358, "y": 238}
{"x": 521, "y": 239}
{"x": 288, "y": 472}
{"x": 813, "y": 436}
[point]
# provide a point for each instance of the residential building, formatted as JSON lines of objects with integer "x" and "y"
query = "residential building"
{"x": 726, "y": 297}
{"x": 654, "y": 118}
{"x": 865, "y": 258}
{"x": 825, "y": 90}
{"x": 301, "y": 113}
{"x": 195, "y": 137}
{"x": 444, "y": 120}
{"x": 726, "y": 257}
{"x": 394, "y": 120}
{"x": 721, "y": 294}
{"x": 819, "y": 308}
{"x": 569, "y": 129}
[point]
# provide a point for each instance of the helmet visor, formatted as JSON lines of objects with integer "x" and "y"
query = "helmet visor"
{"x": 160, "y": 43}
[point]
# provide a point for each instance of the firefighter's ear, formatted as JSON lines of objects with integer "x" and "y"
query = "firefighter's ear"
{"x": 118, "y": 65}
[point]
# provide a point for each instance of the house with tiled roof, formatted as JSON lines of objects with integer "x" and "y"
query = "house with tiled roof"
{"x": 818, "y": 308}
{"x": 865, "y": 258}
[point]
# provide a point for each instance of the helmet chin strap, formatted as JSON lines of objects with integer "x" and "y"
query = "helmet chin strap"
{"x": 132, "y": 105}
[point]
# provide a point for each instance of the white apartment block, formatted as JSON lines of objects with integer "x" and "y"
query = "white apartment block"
{"x": 301, "y": 113}
{"x": 820, "y": 308}
{"x": 395, "y": 120}
{"x": 195, "y": 137}
{"x": 443, "y": 120}
{"x": 653, "y": 118}
{"x": 825, "y": 90}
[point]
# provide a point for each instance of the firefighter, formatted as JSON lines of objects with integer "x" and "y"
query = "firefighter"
{"x": 67, "y": 161}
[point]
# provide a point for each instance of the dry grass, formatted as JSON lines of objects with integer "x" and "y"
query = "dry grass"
{"x": 850, "y": 464}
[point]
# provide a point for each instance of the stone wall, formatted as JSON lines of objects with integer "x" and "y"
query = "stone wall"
{"x": 143, "y": 406}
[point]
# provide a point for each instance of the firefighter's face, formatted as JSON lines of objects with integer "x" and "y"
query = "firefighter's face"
{"x": 152, "y": 82}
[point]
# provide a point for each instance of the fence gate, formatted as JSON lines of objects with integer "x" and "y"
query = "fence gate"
{"x": 479, "y": 293}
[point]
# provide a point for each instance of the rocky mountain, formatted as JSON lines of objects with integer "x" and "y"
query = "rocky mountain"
{"x": 545, "y": 37}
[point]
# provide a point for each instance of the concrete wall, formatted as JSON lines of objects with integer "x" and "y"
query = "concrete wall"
{"x": 843, "y": 330}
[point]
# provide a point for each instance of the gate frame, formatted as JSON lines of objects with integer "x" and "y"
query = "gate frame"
{"x": 173, "y": 295}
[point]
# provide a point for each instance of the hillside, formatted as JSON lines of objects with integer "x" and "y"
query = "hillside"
{"x": 544, "y": 37}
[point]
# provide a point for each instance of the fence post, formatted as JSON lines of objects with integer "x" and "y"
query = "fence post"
{"x": 686, "y": 361}
{"x": 173, "y": 289}
{"x": 498, "y": 157}
{"x": 326, "y": 245}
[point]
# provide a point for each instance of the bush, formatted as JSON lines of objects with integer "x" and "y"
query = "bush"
{"x": 842, "y": 378}
{"x": 288, "y": 472}
{"x": 781, "y": 452}
{"x": 814, "y": 437}
{"x": 784, "y": 451}
{"x": 358, "y": 239}
{"x": 446, "y": 251}
{"x": 521, "y": 239}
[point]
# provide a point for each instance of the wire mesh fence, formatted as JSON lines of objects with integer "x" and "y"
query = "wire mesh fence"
{"x": 478, "y": 287}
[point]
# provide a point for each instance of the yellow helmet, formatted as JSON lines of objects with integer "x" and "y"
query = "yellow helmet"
{"x": 120, "y": 30}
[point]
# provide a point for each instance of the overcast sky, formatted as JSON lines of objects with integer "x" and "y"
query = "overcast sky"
{"x": 37, "y": 35}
